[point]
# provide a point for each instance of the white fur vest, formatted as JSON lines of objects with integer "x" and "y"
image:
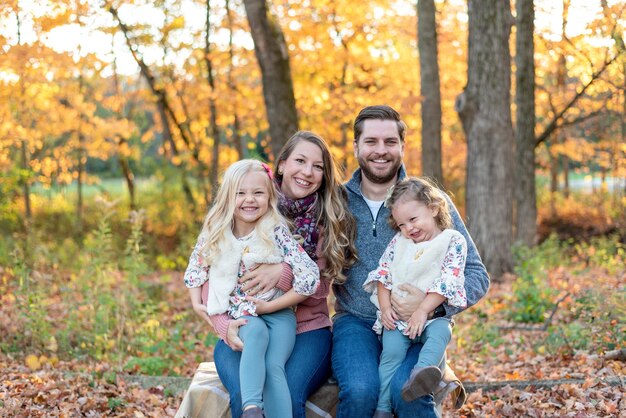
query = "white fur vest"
{"x": 225, "y": 267}
{"x": 418, "y": 264}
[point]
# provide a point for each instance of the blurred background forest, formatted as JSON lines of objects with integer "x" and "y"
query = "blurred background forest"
{"x": 117, "y": 118}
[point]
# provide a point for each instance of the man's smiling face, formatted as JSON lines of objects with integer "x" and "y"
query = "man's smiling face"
{"x": 379, "y": 150}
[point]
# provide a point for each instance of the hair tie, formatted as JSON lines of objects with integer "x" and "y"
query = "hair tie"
{"x": 268, "y": 170}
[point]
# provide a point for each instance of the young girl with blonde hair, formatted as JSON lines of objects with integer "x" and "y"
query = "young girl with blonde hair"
{"x": 429, "y": 255}
{"x": 242, "y": 230}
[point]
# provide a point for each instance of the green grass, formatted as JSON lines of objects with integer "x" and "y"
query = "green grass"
{"x": 112, "y": 187}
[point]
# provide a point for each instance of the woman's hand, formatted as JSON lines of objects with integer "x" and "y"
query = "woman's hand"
{"x": 417, "y": 322}
{"x": 262, "y": 278}
{"x": 388, "y": 318}
{"x": 232, "y": 335}
{"x": 405, "y": 306}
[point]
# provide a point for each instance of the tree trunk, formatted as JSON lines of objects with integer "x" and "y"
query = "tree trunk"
{"x": 554, "y": 179}
{"x": 128, "y": 174}
{"x": 565, "y": 168}
{"x": 237, "y": 139}
{"x": 485, "y": 111}
{"x": 79, "y": 188}
{"x": 561, "y": 81}
{"x": 81, "y": 151}
{"x": 129, "y": 177}
{"x": 167, "y": 139}
{"x": 271, "y": 53}
{"x": 28, "y": 212}
{"x": 623, "y": 132}
{"x": 25, "y": 158}
{"x": 215, "y": 130}
{"x": 525, "y": 192}
{"x": 430, "y": 90}
{"x": 345, "y": 135}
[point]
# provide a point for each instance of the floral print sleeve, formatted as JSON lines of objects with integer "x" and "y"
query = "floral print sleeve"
{"x": 451, "y": 282}
{"x": 196, "y": 274}
{"x": 306, "y": 274}
{"x": 382, "y": 273}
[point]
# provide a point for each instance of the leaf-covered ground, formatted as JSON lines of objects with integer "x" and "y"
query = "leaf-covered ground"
{"x": 485, "y": 349}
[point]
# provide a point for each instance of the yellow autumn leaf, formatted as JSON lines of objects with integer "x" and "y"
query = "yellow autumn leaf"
{"x": 32, "y": 362}
{"x": 52, "y": 344}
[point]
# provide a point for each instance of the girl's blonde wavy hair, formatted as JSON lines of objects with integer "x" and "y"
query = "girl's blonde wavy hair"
{"x": 220, "y": 218}
{"x": 338, "y": 226}
{"x": 422, "y": 190}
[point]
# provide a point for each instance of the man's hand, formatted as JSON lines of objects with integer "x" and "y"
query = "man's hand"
{"x": 417, "y": 322}
{"x": 388, "y": 318}
{"x": 405, "y": 306}
{"x": 262, "y": 278}
{"x": 232, "y": 335}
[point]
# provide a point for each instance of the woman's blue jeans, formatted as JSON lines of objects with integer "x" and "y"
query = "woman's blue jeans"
{"x": 307, "y": 369}
{"x": 356, "y": 353}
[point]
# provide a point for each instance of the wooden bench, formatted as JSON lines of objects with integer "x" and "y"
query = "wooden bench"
{"x": 206, "y": 397}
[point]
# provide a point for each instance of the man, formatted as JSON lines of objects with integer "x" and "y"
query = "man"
{"x": 379, "y": 140}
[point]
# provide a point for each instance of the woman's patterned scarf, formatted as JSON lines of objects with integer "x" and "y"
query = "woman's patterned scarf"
{"x": 303, "y": 214}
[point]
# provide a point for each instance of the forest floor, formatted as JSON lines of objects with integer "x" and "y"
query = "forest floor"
{"x": 486, "y": 348}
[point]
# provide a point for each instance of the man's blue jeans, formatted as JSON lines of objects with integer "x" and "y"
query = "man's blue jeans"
{"x": 356, "y": 353}
{"x": 307, "y": 369}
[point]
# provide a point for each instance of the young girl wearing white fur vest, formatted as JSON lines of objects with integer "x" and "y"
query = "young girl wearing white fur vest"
{"x": 429, "y": 255}
{"x": 243, "y": 229}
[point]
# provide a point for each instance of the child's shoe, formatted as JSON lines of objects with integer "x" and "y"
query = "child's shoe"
{"x": 421, "y": 382}
{"x": 382, "y": 414}
{"x": 254, "y": 412}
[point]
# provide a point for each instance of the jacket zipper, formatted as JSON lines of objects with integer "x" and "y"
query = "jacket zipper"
{"x": 373, "y": 219}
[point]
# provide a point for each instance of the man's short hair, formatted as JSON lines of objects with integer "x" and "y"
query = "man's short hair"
{"x": 380, "y": 112}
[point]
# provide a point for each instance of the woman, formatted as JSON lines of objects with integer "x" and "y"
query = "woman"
{"x": 313, "y": 199}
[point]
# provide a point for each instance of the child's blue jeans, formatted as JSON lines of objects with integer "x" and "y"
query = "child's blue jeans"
{"x": 264, "y": 384}
{"x": 435, "y": 339}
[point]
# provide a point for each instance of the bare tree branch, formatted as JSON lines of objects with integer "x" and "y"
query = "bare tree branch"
{"x": 554, "y": 123}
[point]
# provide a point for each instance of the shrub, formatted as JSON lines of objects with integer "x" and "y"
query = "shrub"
{"x": 532, "y": 297}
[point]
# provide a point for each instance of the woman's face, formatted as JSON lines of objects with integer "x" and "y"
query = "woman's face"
{"x": 303, "y": 170}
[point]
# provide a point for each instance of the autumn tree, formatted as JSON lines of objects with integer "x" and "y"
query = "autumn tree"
{"x": 215, "y": 130}
{"x": 484, "y": 109}
{"x": 33, "y": 130}
{"x": 173, "y": 123}
{"x": 525, "y": 193}
{"x": 273, "y": 58}
{"x": 430, "y": 90}
{"x": 572, "y": 91}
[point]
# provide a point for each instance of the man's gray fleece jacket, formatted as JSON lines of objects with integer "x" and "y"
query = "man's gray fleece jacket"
{"x": 373, "y": 235}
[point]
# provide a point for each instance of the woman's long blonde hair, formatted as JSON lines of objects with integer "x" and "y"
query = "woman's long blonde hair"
{"x": 220, "y": 218}
{"x": 338, "y": 226}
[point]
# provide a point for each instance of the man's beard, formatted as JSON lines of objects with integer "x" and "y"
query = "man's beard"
{"x": 375, "y": 178}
